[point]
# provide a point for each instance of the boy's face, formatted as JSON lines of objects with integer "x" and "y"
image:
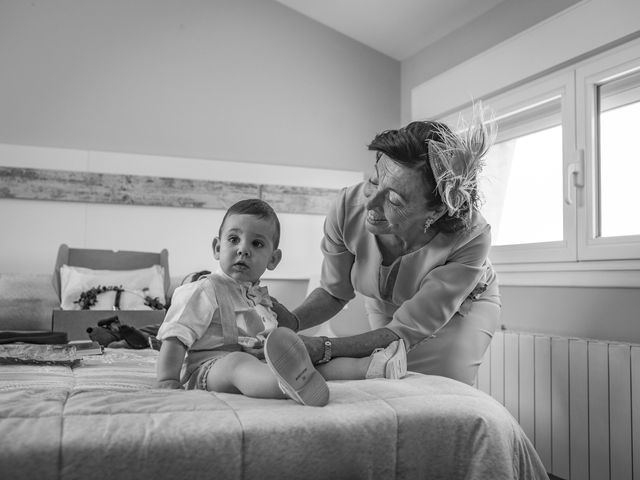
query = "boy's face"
{"x": 245, "y": 247}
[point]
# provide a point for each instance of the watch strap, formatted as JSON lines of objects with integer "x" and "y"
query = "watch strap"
{"x": 327, "y": 350}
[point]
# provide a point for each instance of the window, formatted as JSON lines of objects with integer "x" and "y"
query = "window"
{"x": 608, "y": 115}
{"x": 523, "y": 183}
{"x": 619, "y": 164}
{"x": 562, "y": 181}
{"x": 525, "y": 160}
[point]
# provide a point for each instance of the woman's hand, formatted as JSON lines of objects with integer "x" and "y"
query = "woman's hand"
{"x": 357, "y": 346}
{"x": 315, "y": 347}
{"x": 285, "y": 317}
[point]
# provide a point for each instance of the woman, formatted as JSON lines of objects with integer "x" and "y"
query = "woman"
{"x": 412, "y": 242}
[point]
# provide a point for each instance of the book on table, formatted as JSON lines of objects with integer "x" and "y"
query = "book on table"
{"x": 48, "y": 354}
{"x": 86, "y": 347}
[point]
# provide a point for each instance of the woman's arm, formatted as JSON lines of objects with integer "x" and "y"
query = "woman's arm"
{"x": 361, "y": 345}
{"x": 317, "y": 308}
{"x": 169, "y": 363}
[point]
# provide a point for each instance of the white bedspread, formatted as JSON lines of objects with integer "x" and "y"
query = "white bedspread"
{"x": 103, "y": 419}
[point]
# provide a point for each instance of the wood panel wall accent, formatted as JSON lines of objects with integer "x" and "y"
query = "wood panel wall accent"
{"x": 75, "y": 186}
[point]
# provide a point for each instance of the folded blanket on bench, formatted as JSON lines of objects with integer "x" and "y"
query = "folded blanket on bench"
{"x": 36, "y": 336}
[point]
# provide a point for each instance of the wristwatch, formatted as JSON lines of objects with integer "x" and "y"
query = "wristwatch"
{"x": 327, "y": 350}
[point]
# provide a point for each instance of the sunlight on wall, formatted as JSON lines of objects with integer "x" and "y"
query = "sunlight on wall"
{"x": 33, "y": 230}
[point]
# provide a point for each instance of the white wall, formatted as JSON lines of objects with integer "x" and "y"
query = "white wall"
{"x": 498, "y": 25}
{"x": 238, "y": 80}
{"x": 239, "y": 90}
{"x": 33, "y": 230}
{"x": 586, "y": 27}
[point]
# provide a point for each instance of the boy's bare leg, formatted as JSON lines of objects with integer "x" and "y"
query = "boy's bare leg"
{"x": 240, "y": 372}
{"x": 390, "y": 362}
{"x": 345, "y": 368}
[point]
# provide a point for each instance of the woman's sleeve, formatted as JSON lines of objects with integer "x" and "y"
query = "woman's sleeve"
{"x": 442, "y": 292}
{"x": 338, "y": 260}
{"x": 189, "y": 315}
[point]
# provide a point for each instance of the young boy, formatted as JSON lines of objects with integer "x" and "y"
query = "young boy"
{"x": 217, "y": 320}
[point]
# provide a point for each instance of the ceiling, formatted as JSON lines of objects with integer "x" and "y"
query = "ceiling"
{"x": 397, "y": 28}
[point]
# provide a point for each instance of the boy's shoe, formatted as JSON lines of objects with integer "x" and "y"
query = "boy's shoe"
{"x": 287, "y": 357}
{"x": 390, "y": 362}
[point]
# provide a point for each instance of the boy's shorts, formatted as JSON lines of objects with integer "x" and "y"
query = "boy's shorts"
{"x": 198, "y": 379}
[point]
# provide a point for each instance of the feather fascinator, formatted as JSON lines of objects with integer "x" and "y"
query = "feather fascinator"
{"x": 458, "y": 157}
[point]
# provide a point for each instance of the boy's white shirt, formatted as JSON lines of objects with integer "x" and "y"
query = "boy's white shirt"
{"x": 195, "y": 320}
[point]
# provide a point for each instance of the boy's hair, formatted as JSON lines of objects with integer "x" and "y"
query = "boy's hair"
{"x": 257, "y": 207}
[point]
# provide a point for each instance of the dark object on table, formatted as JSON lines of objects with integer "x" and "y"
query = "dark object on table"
{"x": 111, "y": 333}
{"x": 41, "y": 337}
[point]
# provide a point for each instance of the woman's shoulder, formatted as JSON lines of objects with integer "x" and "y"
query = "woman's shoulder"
{"x": 479, "y": 225}
{"x": 348, "y": 204}
{"x": 478, "y": 232}
{"x": 351, "y": 196}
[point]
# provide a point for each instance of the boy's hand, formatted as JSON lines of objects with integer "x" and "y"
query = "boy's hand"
{"x": 285, "y": 317}
{"x": 169, "y": 384}
{"x": 257, "y": 352}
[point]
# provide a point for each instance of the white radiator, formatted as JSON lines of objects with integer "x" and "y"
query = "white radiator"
{"x": 577, "y": 400}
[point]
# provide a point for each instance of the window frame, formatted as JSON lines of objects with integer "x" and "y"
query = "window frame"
{"x": 589, "y": 76}
{"x": 560, "y": 84}
{"x": 582, "y": 258}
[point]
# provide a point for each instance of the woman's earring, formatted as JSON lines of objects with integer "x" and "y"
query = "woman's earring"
{"x": 427, "y": 224}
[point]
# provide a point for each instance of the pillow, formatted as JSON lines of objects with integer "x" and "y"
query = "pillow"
{"x": 75, "y": 280}
{"x": 129, "y": 300}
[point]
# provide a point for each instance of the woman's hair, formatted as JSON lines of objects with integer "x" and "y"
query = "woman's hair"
{"x": 258, "y": 208}
{"x": 409, "y": 147}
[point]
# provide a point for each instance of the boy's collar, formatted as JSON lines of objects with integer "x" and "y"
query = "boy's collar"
{"x": 253, "y": 290}
{"x": 244, "y": 284}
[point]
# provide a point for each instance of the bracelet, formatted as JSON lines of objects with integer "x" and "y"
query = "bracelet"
{"x": 297, "y": 329}
{"x": 327, "y": 351}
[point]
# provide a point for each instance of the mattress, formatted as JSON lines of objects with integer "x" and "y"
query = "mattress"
{"x": 102, "y": 418}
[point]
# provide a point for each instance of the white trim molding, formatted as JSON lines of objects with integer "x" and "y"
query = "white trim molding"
{"x": 585, "y": 27}
{"x": 598, "y": 274}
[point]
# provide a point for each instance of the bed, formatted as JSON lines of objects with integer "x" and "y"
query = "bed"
{"x": 102, "y": 418}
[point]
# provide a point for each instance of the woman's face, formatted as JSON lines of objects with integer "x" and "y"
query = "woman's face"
{"x": 396, "y": 200}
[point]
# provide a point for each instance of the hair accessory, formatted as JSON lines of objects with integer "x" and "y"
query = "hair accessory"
{"x": 427, "y": 224}
{"x": 457, "y": 159}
